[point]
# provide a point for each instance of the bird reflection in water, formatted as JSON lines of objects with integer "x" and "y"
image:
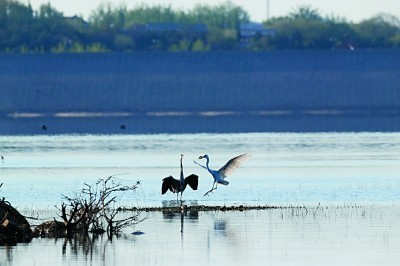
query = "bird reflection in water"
{"x": 220, "y": 227}
{"x": 224, "y": 233}
{"x": 185, "y": 213}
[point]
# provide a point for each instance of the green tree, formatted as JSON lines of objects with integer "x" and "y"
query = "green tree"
{"x": 200, "y": 46}
{"x": 377, "y": 32}
{"x": 306, "y": 13}
{"x": 124, "y": 43}
{"x": 306, "y": 29}
{"x": 221, "y": 39}
{"x": 395, "y": 41}
{"x": 225, "y": 16}
{"x": 15, "y": 25}
{"x": 143, "y": 14}
{"x": 50, "y": 28}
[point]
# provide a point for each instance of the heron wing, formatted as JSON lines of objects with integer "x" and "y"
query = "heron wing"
{"x": 200, "y": 164}
{"x": 233, "y": 164}
{"x": 192, "y": 181}
{"x": 169, "y": 183}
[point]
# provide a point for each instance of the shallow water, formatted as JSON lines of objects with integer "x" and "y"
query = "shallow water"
{"x": 348, "y": 182}
{"x": 285, "y": 169}
{"x": 333, "y": 236}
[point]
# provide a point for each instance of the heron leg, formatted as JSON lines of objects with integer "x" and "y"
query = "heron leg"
{"x": 211, "y": 190}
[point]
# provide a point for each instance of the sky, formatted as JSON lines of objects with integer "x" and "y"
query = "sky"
{"x": 352, "y": 10}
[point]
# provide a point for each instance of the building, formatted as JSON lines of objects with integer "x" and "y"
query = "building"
{"x": 252, "y": 29}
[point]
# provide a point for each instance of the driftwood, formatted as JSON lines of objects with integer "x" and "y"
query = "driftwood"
{"x": 65, "y": 228}
{"x": 14, "y": 228}
{"x": 92, "y": 211}
{"x": 52, "y": 229}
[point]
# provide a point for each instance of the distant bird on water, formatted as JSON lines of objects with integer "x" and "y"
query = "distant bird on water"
{"x": 220, "y": 175}
{"x": 176, "y": 186}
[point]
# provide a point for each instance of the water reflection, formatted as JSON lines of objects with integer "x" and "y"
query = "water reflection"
{"x": 80, "y": 245}
{"x": 219, "y": 232}
{"x": 286, "y": 169}
{"x": 220, "y": 227}
{"x": 80, "y": 249}
{"x": 353, "y": 236}
{"x": 8, "y": 254}
{"x": 289, "y": 169}
{"x": 171, "y": 216}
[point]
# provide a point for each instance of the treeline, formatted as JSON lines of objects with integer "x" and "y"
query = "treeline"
{"x": 203, "y": 28}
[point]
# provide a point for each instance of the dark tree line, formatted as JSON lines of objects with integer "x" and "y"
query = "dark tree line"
{"x": 305, "y": 28}
{"x": 202, "y": 28}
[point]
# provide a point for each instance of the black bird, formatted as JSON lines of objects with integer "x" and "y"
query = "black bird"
{"x": 176, "y": 186}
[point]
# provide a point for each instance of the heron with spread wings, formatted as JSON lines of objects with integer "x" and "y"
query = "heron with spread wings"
{"x": 226, "y": 170}
{"x": 176, "y": 186}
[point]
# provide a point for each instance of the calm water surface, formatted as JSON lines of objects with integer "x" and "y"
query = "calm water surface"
{"x": 348, "y": 182}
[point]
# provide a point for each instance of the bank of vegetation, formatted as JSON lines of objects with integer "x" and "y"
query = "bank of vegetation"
{"x": 93, "y": 211}
{"x": 203, "y": 28}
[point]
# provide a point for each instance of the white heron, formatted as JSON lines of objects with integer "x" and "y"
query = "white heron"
{"x": 176, "y": 186}
{"x": 220, "y": 175}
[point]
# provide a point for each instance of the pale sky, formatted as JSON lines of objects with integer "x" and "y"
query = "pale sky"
{"x": 352, "y": 10}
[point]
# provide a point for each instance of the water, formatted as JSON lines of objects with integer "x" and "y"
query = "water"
{"x": 277, "y": 237}
{"x": 349, "y": 184}
{"x": 285, "y": 169}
